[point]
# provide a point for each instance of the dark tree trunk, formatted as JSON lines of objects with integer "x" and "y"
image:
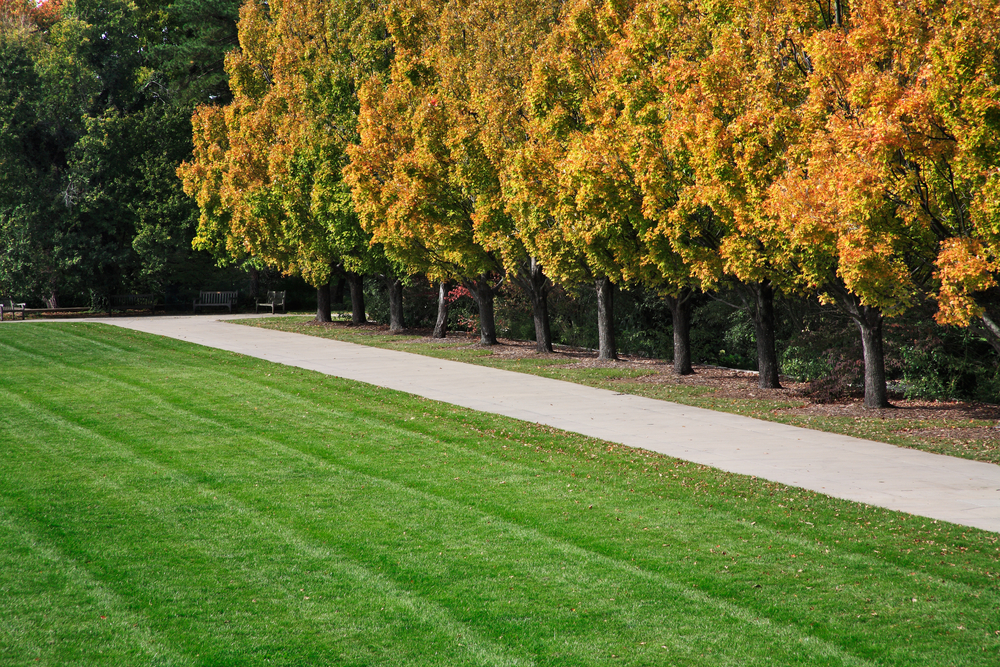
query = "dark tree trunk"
{"x": 254, "y": 283}
{"x": 357, "y": 285}
{"x": 839, "y": 15}
{"x": 482, "y": 292}
{"x": 538, "y": 288}
{"x": 869, "y": 321}
{"x": 395, "y": 286}
{"x": 441, "y": 326}
{"x": 763, "y": 324}
{"x": 607, "y": 349}
{"x": 992, "y": 330}
{"x": 870, "y": 325}
{"x": 338, "y": 293}
{"x": 323, "y": 303}
{"x": 680, "y": 315}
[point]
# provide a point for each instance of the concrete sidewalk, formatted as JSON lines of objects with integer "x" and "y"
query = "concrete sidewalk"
{"x": 941, "y": 487}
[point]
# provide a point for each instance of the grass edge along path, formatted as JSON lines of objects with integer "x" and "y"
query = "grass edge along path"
{"x": 898, "y": 431}
{"x": 166, "y": 503}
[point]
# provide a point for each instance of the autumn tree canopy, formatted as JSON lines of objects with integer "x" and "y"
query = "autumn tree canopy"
{"x": 267, "y": 170}
{"x": 961, "y": 99}
{"x": 569, "y": 186}
{"x": 426, "y": 173}
{"x": 842, "y": 150}
{"x": 866, "y": 200}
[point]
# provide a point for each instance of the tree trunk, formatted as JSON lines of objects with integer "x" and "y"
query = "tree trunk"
{"x": 357, "y": 285}
{"x": 395, "y": 286}
{"x": 607, "y": 349}
{"x": 869, "y": 321}
{"x": 992, "y": 331}
{"x": 680, "y": 315}
{"x": 254, "y": 282}
{"x": 763, "y": 323}
{"x": 482, "y": 292}
{"x": 323, "y": 303}
{"x": 52, "y": 300}
{"x": 838, "y": 13}
{"x": 870, "y": 325}
{"x": 539, "y": 287}
{"x": 441, "y": 326}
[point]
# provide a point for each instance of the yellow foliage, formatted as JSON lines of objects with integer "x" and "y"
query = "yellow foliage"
{"x": 963, "y": 268}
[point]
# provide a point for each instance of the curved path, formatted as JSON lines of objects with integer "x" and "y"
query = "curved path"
{"x": 940, "y": 487}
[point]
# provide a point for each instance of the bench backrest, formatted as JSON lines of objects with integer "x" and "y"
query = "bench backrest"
{"x": 220, "y": 298}
{"x": 277, "y": 298}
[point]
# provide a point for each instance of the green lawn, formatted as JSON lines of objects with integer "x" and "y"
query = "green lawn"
{"x": 162, "y": 503}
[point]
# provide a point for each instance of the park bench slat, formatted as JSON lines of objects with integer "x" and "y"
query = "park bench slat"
{"x": 274, "y": 300}
{"x": 9, "y": 304}
{"x": 216, "y": 300}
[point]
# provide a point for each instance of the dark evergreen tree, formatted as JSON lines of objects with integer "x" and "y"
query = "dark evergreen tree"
{"x": 95, "y": 104}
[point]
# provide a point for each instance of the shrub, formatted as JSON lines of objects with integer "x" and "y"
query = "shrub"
{"x": 950, "y": 363}
{"x": 804, "y": 365}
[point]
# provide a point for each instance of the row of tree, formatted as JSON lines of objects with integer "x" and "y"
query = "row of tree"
{"x": 847, "y": 150}
{"x": 844, "y": 150}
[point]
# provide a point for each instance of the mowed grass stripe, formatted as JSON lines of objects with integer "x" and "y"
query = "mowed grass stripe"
{"x": 524, "y": 473}
{"x": 187, "y": 514}
{"x": 48, "y": 611}
{"x": 551, "y": 554}
{"x": 401, "y": 447}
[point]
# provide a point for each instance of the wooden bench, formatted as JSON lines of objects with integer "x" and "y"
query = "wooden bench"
{"x": 7, "y": 303}
{"x": 274, "y": 300}
{"x": 216, "y": 300}
{"x": 125, "y": 302}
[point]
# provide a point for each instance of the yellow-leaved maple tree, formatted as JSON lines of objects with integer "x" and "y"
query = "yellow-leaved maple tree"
{"x": 962, "y": 100}
{"x": 406, "y": 169}
{"x": 712, "y": 116}
{"x": 267, "y": 168}
{"x": 426, "y": 171}
{"x": 570, "y": 185}
{"x": 484, "y": 59}
{"x": 862, "y": 210}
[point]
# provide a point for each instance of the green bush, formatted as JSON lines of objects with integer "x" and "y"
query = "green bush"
{"x": 722, "y": 335}
{"x": 419, "y": 301}
{"x": 950, "y": 363}
{"x": 804, "y": 365}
